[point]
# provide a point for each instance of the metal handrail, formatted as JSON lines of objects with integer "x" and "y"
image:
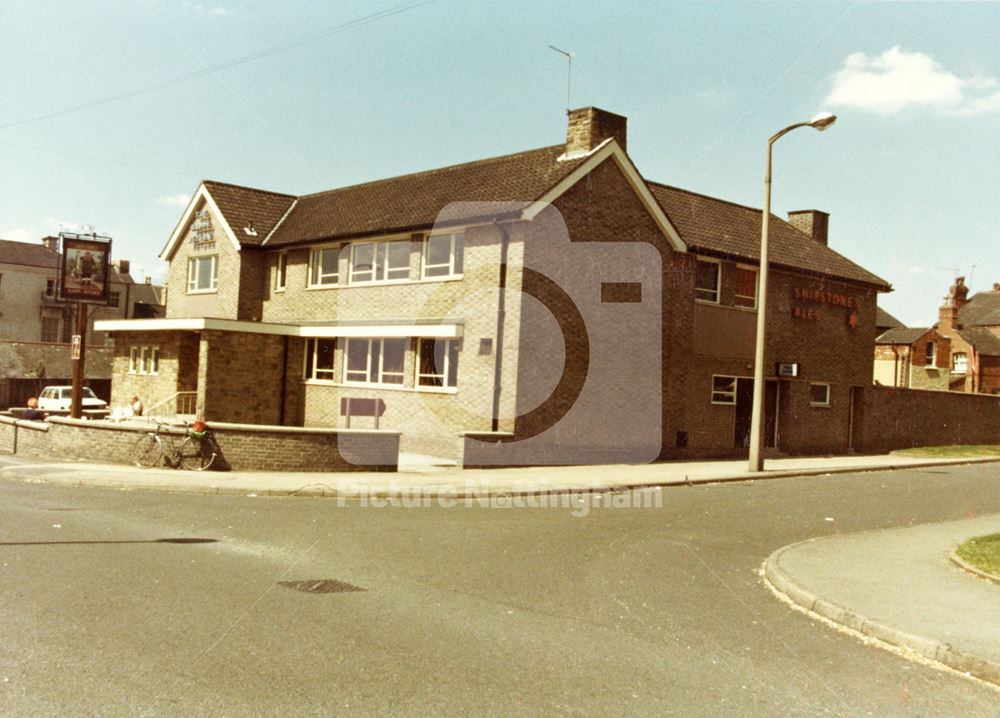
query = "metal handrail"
{"x": 183, "y": 402}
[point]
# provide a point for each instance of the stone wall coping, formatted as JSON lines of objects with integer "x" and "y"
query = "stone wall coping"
{"x": 37, "y": 425}
{"x": 171, "y": 428}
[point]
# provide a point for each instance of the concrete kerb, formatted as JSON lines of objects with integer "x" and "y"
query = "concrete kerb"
{"x": 929, "y": 648}
{"x": 431, "y": 491}
{"x": 963, "y": 564}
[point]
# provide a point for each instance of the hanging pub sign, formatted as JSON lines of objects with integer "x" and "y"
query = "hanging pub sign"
{"x": 83, "y": 268}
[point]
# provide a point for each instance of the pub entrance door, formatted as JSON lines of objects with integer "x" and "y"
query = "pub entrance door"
{"x": 744, "y": 411}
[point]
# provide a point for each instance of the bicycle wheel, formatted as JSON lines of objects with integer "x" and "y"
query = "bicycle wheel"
{"x": 196, "y": 454}
{"x": 148, "y": 451}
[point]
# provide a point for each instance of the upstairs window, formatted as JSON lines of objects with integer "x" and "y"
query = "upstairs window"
{"x": 930, "y": 358}
{"x": 443, "y": 255}
{"x": 960, "y": 362}
{"x": 437, "y": 363}
{"x": 706, "y": 286}
{"x": 50, "y": 287}
{"x": 280, "y": 271}
{"x": 114, "y": 298}
{"x": 374, "y": 361}
{"x": 323, "y": 266}
{"x": 745, "y": 287}
{"x": 203, "y": 273}
{"x": 380, "y": 261}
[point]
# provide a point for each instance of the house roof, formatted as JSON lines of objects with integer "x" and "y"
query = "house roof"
{"x": 985, "y": 341}
{"x": 719, "y": 227}
{"x": 32, "y": 255}
{"x": 493, "y": 187}
{"x": 884, "y": 319}
{"x": 902, "y": 335}
{"x": 246, "y": 207}
{"x": 983, "y": 309}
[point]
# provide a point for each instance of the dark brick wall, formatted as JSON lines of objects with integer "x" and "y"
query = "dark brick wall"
{"x": 243, "y": 448}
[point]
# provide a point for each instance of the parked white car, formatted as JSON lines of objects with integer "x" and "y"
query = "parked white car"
{"x": 59, "y": 398}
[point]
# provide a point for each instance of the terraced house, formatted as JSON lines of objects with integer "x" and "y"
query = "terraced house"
{"x": 551, "y": 306}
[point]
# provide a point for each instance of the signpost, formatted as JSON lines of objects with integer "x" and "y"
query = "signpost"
{"x": 84, "y": 264}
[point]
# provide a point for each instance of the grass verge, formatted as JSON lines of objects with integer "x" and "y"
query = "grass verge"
{"x": 951, "y": 451}
{"x": 983, "y": 552}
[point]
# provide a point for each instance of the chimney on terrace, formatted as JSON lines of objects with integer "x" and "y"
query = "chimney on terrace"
{"x": 590, "y": 126}
{"x": 958, "y": 297}
{"x": 51, "y": 243}
{"x": 812, "y": 222}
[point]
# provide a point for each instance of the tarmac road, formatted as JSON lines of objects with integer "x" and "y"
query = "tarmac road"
{"x": 467, "y": 610}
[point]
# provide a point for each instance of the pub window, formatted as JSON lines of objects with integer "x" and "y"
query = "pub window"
{"x": 380, "y": 261}
{"x": 723, "y": 389}
{"x": 443, "y": 255}
{"x": 374, "y": 361}
{"x": 203, "y": 274}
{"x": 931, "y": 353}
{"x": 959, "y": 362}
{"x": 50, "y": 329}
{"x": 437, "y": 363}
{"x": 319, "y": 359}
{"x": 280, "y": 272}
{"x": 706, "y": 287}
{"x": 745, "y": 287}
{"x": 819, "y": 395}
{"x": 144, "y": 360}
{"x": 323, "y": 266}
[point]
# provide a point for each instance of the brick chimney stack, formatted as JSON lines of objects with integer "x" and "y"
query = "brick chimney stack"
{"x": 812, "y": 222}
{"x": 590, "y": 126}
{"x": 123, "y": 265}
{"x": 958, "y": 297}
{"x": 51, "y": 243}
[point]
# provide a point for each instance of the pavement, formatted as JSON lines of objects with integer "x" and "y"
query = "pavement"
{"x": 901, "y": 586}
{"x": 419, "y": 476}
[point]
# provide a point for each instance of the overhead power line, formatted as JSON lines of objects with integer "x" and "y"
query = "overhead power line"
{"x": 266, "y": 52}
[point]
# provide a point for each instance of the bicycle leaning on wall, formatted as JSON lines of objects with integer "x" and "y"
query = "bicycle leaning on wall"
{"x": 196, "y": 451}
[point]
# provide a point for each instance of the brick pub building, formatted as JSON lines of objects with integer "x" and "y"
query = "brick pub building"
{"x": 551, "y": 306}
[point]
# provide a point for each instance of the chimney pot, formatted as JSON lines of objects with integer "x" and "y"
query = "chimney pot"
{"x": 123, "y": 265}
{"x": 811, "y": 221}
{"x": 590, "y": 126}
{"x": 51, "y": 243}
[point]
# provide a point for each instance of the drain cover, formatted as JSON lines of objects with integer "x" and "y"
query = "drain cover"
{"x": 326, "y": 585}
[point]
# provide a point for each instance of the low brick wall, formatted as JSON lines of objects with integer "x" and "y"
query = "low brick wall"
{"x": 244, "y": 447}
{"x": 888, "y": 418}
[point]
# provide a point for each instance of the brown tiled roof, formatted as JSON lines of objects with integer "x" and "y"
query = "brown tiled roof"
{"x": 886, "y": 320}
{"x": 33, "y": 255}
{"x": 416, "y": 200}
{"x": 982, "y": 310}
{"x": 902, "y": 335}
{"x": 985, "y": 341}
{"x": 723, "y": 228}
{"x": 247, "y": 207}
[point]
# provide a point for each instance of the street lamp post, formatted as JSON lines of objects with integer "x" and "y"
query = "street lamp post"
{"x": 819, "y": 122}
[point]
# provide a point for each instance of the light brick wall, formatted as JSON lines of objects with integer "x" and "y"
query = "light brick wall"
{"x": 178, "y": 366}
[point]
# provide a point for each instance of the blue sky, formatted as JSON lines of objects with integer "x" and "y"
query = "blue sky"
{"x": 909, "y": 174}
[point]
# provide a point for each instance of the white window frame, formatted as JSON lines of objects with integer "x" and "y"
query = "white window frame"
{"x": 756, "y": 288}
{"x": 930, "y": 359}
{"x": 139, "y": 356}
{"x": 133, "y": 360}
{"x": 310, "y": 371}
{"x": 965, "y": 363}
{"x": 718, "y": 281}
{"x": 281, "y": 272}
{"x": 193, "y": 274}
{"x": 379, "y": 380}
{"x": 446, "y": 370}
{"x": 381, "y": 252}
{"x": 722, "y": 397}
{"x": 813, "y": 402}
{"x": 316, "y": 265}
{"x": 456, "y": 238}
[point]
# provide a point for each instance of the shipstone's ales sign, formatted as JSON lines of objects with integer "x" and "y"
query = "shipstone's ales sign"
{"x": 820, "y": 296}
{"x": 83, "y": 268}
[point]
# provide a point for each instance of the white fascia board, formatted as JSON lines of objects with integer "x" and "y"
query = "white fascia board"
{"x": 178, "y": 233}
{"x": 611, "y": 149}
{"x": 435, "y": 331}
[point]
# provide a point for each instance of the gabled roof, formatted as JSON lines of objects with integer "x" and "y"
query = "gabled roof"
{"x": 902, "y": 335}
{"x": 25, "y": 253}
{"x": 721, "y": 228}
{"x": 985, "y": 341}
{"x": 245, "y": 207}
{"x": 508, "y": 184}
{"x": 884, "y": 319}
{"x": 982, "y": 310}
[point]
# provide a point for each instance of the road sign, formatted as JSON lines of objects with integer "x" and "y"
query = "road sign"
{"x": 75, "y": 351}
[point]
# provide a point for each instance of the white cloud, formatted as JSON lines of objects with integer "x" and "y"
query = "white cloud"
{"x": 897, "y": 79}
{"x": 54, "y": 225}
{"x": 19, "y": 234}
{"x": 217, "y": 11}
{"x": 174, "y": 200}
